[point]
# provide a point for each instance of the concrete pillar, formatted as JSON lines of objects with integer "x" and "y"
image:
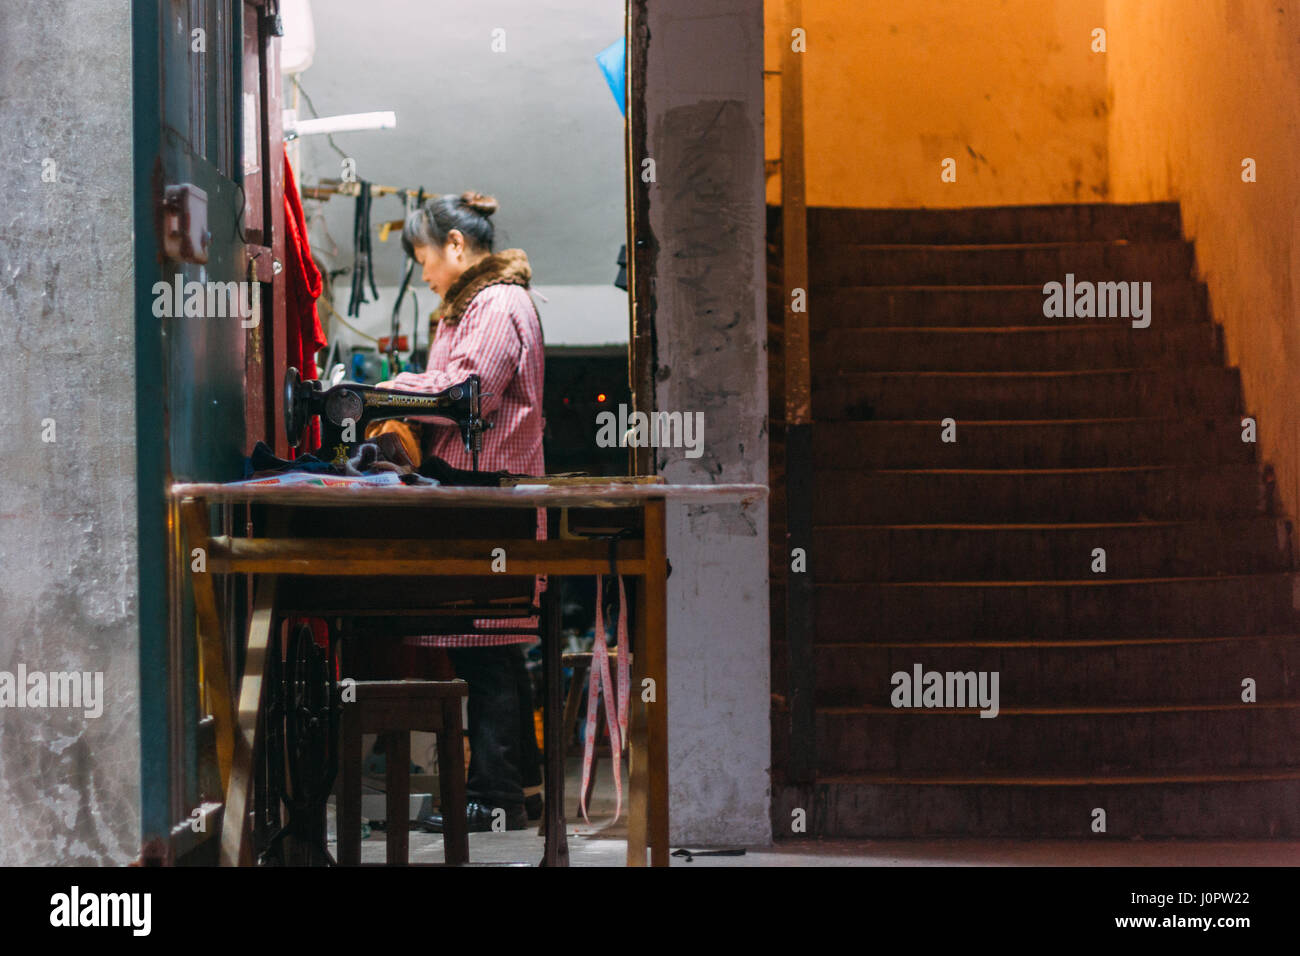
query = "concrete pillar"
{"x": 69, "y": 781}
{"x": 704, "y": 103}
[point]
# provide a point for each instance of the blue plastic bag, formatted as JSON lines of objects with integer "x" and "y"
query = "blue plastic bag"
{"x": 613, "y": 63}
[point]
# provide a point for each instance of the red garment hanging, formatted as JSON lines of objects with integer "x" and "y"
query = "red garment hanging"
{"x": 302, "y": 288}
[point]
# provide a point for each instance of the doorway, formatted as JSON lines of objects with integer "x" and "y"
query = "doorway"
{"x": 506, "y": 98}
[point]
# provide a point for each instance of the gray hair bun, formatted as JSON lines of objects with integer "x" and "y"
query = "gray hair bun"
{"x": 481, "y": 203}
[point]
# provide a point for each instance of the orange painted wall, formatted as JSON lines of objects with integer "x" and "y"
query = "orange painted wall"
{"x": 1014, "y": 92}
{"x": 1197, "y": 87}
{"x": 1008, "y": 88}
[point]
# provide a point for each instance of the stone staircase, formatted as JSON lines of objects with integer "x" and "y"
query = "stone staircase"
{"x": 1119, "y": 690}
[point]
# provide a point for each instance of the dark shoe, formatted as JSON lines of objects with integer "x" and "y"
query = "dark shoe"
{"x": 479, "y": 818}
{"x": 533, "y": 807}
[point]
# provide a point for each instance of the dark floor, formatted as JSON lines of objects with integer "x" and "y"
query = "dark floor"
{"x": 603, "y": 843}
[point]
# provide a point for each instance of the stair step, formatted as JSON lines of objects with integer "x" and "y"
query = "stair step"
{"x": 1118, "y": 689}
{"x": 1045, "y": 672}
{"x": 1242, "y": 805}
{"x": 1175, "y": 739}
{"x": 1082, "y": 443}
{"x": 1034, "y": 264}
{"x": 1065, "y": 610}
{"x": 965, "y": 496}
{"x": 863, "y": 396}
{"x": 1047, "y": 223}
{"x": 1049, "y": 551}
{"x": 1182, "y": 300}
{"x": 1021, "y": 348}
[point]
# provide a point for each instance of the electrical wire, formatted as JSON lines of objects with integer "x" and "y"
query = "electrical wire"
{"x": 312, "y": 106}
{"x": 334, "y": 312}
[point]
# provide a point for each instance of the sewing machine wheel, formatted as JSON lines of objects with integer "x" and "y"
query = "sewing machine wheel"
{"x": 269, "y": 781}
{"x": 342, "y": 405}
{"x": 301, "y": 750}
{"x": 297, "y": 408}
{"x": 311, "y": 721}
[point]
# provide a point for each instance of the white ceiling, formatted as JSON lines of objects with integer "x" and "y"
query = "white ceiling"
{"x": 536, "y": 126}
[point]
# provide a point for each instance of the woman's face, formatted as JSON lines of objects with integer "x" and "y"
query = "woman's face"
{"x": 440, "y": 266}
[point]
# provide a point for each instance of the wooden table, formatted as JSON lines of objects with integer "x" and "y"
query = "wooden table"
{"x": 643, "y": 561}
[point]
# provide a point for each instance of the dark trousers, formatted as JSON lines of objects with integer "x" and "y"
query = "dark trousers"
{"x": 503, "y": 757}
{"x": 530, "y": 755}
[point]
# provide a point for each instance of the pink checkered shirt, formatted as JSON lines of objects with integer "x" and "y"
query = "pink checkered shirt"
{"x": 499, "y": 338}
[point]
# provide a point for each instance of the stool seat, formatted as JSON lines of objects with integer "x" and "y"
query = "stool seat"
{"x": 392, "y": 709}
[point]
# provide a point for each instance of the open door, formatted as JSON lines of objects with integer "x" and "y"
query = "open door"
{"x": 206, "y": 96}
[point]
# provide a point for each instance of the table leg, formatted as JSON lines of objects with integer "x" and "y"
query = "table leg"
{"x": 638, "y": 771}
{"x": 212, "y": 651}
{"x": 451, "y": 780}
{"x": 236, "y": 831}
{"x": 397, "y": 763}
{"x": 556, "y": 852}
{"x": 656, "y": 668}
{"x": 348, "y": 815}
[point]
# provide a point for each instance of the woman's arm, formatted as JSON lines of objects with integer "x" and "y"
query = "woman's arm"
{"x": 485, "y": 343}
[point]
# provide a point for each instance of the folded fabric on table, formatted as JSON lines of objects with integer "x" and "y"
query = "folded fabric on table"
{"x": 384, "y": 454}
{"x": 406, "y": 432}
{"x": 282, "y": 478}
{"x": 437, "y": 469}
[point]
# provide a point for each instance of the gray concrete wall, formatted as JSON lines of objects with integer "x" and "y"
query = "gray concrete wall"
{"x": 704, "y": 102}
{"x": 69, "y": 784}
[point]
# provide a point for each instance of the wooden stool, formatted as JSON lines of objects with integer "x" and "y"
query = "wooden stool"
{"x": 581, "y": 664}
{"x": 393, "y": 708}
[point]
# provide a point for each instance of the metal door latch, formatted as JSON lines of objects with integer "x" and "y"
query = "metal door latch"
{"x": 185, "y": 235}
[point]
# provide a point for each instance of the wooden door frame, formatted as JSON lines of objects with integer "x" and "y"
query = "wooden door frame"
{"x": 642, "y": 246}
{"x": 268, "y": 343}
{"x": 167, "y": 725}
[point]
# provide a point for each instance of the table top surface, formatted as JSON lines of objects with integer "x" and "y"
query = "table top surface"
{"x": 595, "y": 492}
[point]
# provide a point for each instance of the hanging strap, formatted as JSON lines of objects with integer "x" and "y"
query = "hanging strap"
{"x": 616, "y": 694}
{"x": 624, "y": 668}
{"x": 598, "y": 679}
{"x": 363, "y": 267}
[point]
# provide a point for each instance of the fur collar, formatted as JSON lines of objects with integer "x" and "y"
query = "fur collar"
{"x": 507, "y": 267}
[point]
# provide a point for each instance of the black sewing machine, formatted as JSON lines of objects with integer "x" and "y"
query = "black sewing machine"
{"x": 348, "y": 408}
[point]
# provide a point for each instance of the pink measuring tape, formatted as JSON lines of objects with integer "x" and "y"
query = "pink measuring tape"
{"x": 616, "y": 699}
